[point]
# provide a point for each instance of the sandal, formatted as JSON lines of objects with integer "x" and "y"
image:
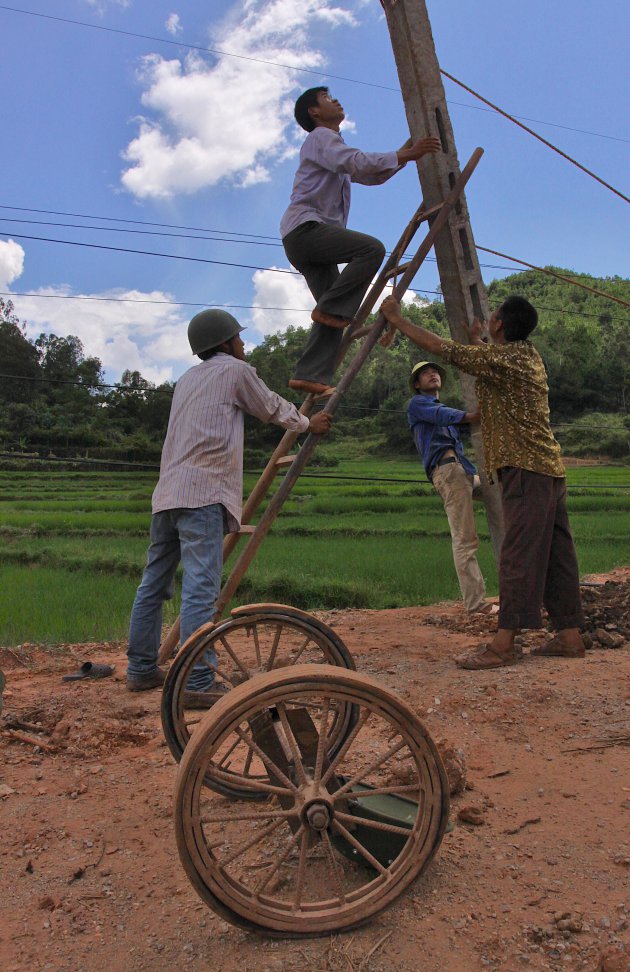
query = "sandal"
{"x": 489, "y": 610}
{"x": 90, "y": 670}
{"x": 485, "y": 657}
{"x": 557, "y": 649}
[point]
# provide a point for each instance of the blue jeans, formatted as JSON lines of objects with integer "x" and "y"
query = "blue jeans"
{"x": 196, "y": 538}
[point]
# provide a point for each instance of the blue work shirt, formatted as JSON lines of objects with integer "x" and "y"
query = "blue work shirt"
{"x": 435, "y": 429}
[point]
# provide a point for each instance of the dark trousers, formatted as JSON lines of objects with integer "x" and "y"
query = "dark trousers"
{"x": 315, "y": 249}
{"x": 538, "y": 560}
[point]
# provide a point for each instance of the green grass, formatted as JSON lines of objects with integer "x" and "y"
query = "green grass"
{"x": 73, "y": 544}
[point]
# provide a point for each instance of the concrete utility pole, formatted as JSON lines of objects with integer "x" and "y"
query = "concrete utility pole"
{"x": 460, "y": 277}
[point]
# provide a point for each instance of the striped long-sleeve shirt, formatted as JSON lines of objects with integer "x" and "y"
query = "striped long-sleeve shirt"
{"x": 202, "y": 457}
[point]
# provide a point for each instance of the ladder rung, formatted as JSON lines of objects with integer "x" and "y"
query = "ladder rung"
{"x": 429, "y": 212}
{"x": 397, "y": 271}
{"x": 360, "y": 332}
{"x": 285, "y": 460}
{"x": 247, "y": 528}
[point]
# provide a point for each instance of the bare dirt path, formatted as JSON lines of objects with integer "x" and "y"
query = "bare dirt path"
{"x": 91, "y": 878}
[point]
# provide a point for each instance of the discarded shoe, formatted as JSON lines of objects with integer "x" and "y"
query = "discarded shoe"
{"x": 205, "y": 700}
{"x": 142, "y": 683}
{"x": 90, "y": 670}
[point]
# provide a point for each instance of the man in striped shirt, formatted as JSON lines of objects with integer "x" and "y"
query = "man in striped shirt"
{"x": 198, "y": 497}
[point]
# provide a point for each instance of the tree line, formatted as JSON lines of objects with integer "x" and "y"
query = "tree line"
{"x": 55, "y": 405}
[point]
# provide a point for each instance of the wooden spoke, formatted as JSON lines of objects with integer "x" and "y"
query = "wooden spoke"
{"x": 363, "y": 851}
{"x": 257, "y": 646}
{"x": 248, "y": 762}
{"x": 372, "y": 767}
{"x": 374, "y": 824}
{"x": 346, "y": 746}
{"x": 237, "y": 661}
{"x": 301, "y": 873}
{"x": 321, "y": 742}
{"x": 381, "y": 791}
{"x": 293, "y": 839}
{"x": 256, "y": 839}
{"x": 248, "y": 783}
{"x": 333, "y": 867}
{"x": 267, "y": 760}
{"x": 219, "y": 671}
{"x": 261, "y": 815}
{"x": 307, "y": 641}
{"x": 295, "y": 751}
{"x": 274, "y": 648}
{"x": 229, "y": 753}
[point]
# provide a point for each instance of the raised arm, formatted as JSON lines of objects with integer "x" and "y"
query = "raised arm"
{"x": 412, "y": 151}
{"x": 422, "y": 338}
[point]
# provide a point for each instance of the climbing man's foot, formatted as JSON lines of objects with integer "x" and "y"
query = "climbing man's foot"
{"x": 330, "y": 320}
{"x": 310, "y": 387}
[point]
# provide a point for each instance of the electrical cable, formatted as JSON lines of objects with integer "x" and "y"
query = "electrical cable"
{"x": 301, "y": 69}
{"x": 294, "y": 310}
{"x": 530, "y": 131}
{"x": 294, "y": 273}
{"x": 257, "y": 472}
{"x": 357, "y": 408}
{"x": 559, "y": 276}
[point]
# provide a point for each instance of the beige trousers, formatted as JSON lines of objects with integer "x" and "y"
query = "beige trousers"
{"x": 455, "y": 489}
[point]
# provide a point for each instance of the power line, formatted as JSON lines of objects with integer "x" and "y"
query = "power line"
{"x": 294, "y": 310}
{"x": 266, "y": 241}
{"x": 355, "y": 408}
{"x": 245, "y": 266}
{"x": 300, "y": 69}
{"x": 530, "y": 131}
{"x": 257, "y": 472}
{"x": 558, "y": 276}
{"x": 273, "y": 240}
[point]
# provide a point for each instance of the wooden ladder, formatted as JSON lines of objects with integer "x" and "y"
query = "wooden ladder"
{"x": 280, "y": 459}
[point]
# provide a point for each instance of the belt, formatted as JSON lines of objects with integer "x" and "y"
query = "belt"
{"x": 443, "y": 462}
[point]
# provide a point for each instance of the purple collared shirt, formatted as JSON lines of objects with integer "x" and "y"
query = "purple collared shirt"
{"x": 321, "y": 188}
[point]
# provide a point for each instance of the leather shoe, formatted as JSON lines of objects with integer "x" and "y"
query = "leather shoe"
{"x": 142, "y": 683}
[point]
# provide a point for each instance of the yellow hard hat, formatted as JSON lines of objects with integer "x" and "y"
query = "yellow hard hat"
{"x": 418, "y": 367}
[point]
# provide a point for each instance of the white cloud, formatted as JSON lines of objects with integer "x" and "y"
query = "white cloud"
{"x": 280, "y": 290}
{"x": 100, "y": 6}
{"x": 147, "y": 337}
{"x": 173, "y": 24}
{"x": 11, "y": 262}
{"x": 230, "y": 120}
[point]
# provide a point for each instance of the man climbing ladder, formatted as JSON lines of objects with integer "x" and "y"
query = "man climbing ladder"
{"x": 314, "y": 230}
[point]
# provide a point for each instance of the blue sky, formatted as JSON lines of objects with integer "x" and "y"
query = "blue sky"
{"x": 108, "y": 125}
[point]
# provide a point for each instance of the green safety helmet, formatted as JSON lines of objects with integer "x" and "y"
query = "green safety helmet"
{"x": 418, "y": 368}
{"x": 211, "y": 327}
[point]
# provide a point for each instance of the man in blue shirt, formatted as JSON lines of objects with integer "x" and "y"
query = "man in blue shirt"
{"x": 436, "y": 433}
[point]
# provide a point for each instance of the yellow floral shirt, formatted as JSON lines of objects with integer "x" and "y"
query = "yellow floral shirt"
{"x": 512, "y": 391}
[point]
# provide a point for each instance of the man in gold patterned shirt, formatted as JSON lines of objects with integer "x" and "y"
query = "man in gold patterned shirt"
{"x": 538, "y": 560}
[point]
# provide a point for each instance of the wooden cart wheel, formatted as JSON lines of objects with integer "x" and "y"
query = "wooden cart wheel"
{"x": 298, "y": 864}
{"x": 270, "y": 637}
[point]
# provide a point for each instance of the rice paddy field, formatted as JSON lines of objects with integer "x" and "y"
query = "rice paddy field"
{"x": 366, "y": 534}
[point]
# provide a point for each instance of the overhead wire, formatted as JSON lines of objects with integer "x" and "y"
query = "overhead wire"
{"x": 295, "y": 67}
{"x": 348, "y": 406}
{"x": 80, "y": 460}
{"x": 245, "y": 266}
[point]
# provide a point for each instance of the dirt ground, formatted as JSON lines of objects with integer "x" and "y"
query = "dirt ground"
{"x": 91, "y": 877}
